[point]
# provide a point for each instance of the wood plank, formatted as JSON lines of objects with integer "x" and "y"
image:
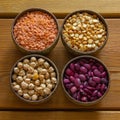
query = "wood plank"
{"x": 56, "y": 115}
{"x": 108, "y": 8}
{"x": 110, "y": 55}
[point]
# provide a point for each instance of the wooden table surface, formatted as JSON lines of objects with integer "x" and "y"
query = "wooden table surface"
{"x": 59, "y": 107}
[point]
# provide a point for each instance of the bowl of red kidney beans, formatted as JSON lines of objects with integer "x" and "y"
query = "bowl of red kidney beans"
{"x": 85, "y": 80}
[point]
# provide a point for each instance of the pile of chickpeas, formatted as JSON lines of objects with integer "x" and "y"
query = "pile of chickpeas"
{"x": 34, "y": 78}
{"x": 84, "y": 32}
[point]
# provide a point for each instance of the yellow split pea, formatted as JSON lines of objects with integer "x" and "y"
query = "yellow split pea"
{"x": 84, "y": 32}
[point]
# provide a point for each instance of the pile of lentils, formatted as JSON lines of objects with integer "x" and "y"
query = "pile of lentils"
{"x": 85, "y": 80}
{"x": 84, "y": 32}
{"x": 34, "y": 78}
{"x": 35, "y": 30}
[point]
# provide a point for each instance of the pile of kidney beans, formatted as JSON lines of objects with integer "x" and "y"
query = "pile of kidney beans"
{"x": 85, "y": 79}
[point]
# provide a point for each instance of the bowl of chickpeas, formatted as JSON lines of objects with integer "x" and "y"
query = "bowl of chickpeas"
{"x": 84, "y": 32}
{"x": 35, "y": 31}
{"x": 34, "y": 78}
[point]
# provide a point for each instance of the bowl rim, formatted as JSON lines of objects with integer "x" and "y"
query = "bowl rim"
{"x": 32, "y": 10}
{"x": 38, "y": 56}
{"x": 101, "y": 18}
{"x": 80, "y": 102}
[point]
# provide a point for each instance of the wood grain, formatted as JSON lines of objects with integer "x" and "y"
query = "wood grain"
{"x": 108, "y": 8}
{"x": 56, "y": 115}
{"x": 110, "y": 55}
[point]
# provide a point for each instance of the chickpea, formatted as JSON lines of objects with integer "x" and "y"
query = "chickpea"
{"x": 20, "y": 92}
{"x": 24, "y": 85}
{"x": 33, "y": 64}
{"x": 46, "y": 65}
{"x": 21, "y": 73}
{"x": 51, "y": 69}
{"x": 40, "y": 61}
{"x": 47, "y": 75}
{"x": 44, "y": 71}
{"x": 53, "y": 74}
{"x": 27, "y": 80}
{"x": 20, "y": 65}
{"x": 16, "y": 70}
{"x": 43, "y": 86}
{"x": 53, "y": 80}
{"x": 48, "y": 81}
{"x": 16, "y": 87}
{"x": 25, "y": 61}
{"x": 31, "y": 92}
{"x": 33, "y": 59}
{"x": 47, "y": 91}
{"x": 41, "y": 77}
{"x": 31, "y": 86}
{"x": 14, "y": 83}
{"x": 50, "y": 86}
{"x": 19, "y": 79}
{"x": 37, "y": 82}
{"x": 14, "y": 76}
{"x": 34, "y": 97}
{"x": 26, "y": 66}
{"x": 26, "y": 96}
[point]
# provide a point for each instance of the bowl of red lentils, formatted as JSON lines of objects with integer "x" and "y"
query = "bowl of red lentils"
{"x": 34, "y": 78}
{"x": 84, "y": 32}
{"x": 85, "y": 80}
{"x": 35, "y": 30}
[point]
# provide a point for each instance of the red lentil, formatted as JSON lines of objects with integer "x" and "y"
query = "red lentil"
{"x": 35, "y": 30}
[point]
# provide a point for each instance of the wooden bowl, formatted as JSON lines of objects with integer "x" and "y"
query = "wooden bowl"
{"x": 52, "y": 92}
{"x": 71, "y": 98}
{"x": 26, "y": 51}
{"x": 79, "y": 52}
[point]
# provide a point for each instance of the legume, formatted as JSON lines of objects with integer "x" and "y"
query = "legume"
{"x": 83, "y": 79}
{"x": 84, "y": 32}
{"x": 33, "y": 84}
{"x": 35, "y": 30}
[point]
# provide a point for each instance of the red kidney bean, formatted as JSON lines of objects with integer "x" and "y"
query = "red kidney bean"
{"x": 72, "y": 66}
{"x": 66, "y": 81}
{"x": 87, "y": 91}
{"x": 78, "y": 96}
{"x": 85, "y": 84}
{"x": 104, "y": 80}
{"x": 88, "y": 66}
{"x": 93, "y": 98}
{"x": 97, "y": 73}
{"x": 96, "y": 79}
{"x": 73, "y": 89}
{"x": 74, "y": 95}
{"x": 72, "y": 79}
{"x": 77, "y": 66}
{"x": 84, "y": 99}
{"x": 82, "y": 92}
{"x": 94, "y": 67}
{"x": 101, "y": 68}
{"x": 103, "y": 74}
{"x": 69, "y": 72}
{"x": 102, "y": 87}
{"x": 68, "y": 86}
{"x": 92, "y": 83}
{"x": 76, "y": 75}
{"x": 95, "y": 93}
{"x": 81, "y": 86}
{"x": 90, "y": 88}
{"x": 98, "y": 86}
{"x": 77, "y": 82}
{"x": 99, "y": 94}
{"x": 82, "y": 77}
{"x": 83, "y": 70}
